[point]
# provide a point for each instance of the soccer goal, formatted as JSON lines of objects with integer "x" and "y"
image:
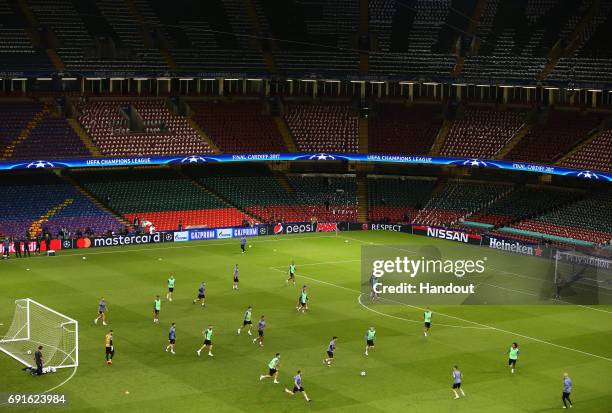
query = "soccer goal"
{"x": 583, "y": 278}
{"x": 36, "y": 325}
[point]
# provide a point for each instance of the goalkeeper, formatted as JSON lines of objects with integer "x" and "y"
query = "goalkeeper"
{"x": 110, "y": 349}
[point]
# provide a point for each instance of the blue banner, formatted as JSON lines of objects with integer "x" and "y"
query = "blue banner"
{"x": 301, "y": 156}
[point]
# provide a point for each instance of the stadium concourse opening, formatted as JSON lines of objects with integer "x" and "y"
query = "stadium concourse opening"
{"x": 417, "y": 192}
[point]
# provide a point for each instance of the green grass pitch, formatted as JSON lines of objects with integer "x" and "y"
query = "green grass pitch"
{"x": 405, "y": 372}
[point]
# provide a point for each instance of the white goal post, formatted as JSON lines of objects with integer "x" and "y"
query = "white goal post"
{"x": 35, "y": 324}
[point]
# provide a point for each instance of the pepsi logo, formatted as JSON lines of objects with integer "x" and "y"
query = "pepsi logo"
{"x": 278, "y": 228}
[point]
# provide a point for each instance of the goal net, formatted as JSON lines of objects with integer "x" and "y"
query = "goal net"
{"x": 582, "y": 278}
{"x": 37, "y": 325}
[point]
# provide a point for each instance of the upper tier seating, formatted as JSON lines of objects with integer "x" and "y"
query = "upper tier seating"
{"x": 17, "y": 53}
{"x": 596, "y": 155}
{"x": 161, "y": 196}
{"x": 407, "y": 36}
{"x": 395, "y": 128}
{"x": 588, "y": 219}
{"x": 77, "y": 47}
{"x": 546, "y": 143}
{"x": 521, "y": 203}
{"x": 27, "y": 198}
{"x": 108, "y": 128}
{"x": 457, "y": 199}
{"x": 481, "y": 133}
{"x": 396, "y": 199}
{"x": 324, "y": 128}
{"x": 238, "y": 127}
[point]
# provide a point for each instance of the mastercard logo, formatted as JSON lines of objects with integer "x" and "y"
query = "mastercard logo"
{"x": 83, "y": 243}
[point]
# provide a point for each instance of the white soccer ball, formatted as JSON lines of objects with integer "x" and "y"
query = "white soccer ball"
{"x": 250, "y": 246}
{"x": 53, "y": 369}
{"x": 346, "y": 240}
{"x": 363, "y": 373}
{"x": 84, "y": 258}
{"x": 29, "y": 351}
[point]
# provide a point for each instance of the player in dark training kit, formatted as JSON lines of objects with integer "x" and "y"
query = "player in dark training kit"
{"x": 261, "y": 325}
{"x": 457, "y": 377}
{"x": 243, "y": 244}
{"x": 330, "y": 351}
{"x": 101, "y": 312}
{"x": 171, "y": 339}
{"x": 297, "y": 386}
{"x": 201, "y": 294}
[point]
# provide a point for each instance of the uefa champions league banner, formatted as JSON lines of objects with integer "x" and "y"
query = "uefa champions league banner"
{"x": 301, "y": 156}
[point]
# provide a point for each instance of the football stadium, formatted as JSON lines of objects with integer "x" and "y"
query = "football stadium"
{"x": 306, "y": 205}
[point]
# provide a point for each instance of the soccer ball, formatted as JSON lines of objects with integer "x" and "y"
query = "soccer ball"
{"x": 84, "y": 258}
{"x": 29, "y": 351}
{"x": 363, "y": 373}
{"x": 250, "y": 246}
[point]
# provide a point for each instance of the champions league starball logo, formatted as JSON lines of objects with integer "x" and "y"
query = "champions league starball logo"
{"x": 474, "y": 162}
{"x": 321, "y": 157}
{"x": 587, "y": 175}
{"x": 40, "y": 164}
{"x": 193, "y": 159}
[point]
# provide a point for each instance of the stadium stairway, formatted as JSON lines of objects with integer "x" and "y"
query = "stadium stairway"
{"x": 194, "y": 125}
{"x": 70, "y": 180}
{"x": 78, "y": 129}
{"x": 25, "y": 132}
{"x": 578, "y": 36}
{"x": 217, "y": 195}
{"x": 364, "y": 20}
{"x": 283, "y": 181}
{"x": 255, "y": 24}
{"x": 474, "y": 21}
{"x": 36, "y": 227}
{"x": 441, "y": 137}
{"x": 362, "y": 197}
{"x": 520, "y": 134}
{"x": 363, "y": 135}
{"x": 285, "y": 133}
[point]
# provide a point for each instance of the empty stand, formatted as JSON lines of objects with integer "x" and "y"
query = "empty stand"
{"x": 397, "y": 199}
{"x": 547, "y": 142}
{"x": 45, "y": 199}
{"x": 481, "y": 132}
{"x": 161, "y": 196}
{"x": 165, "y": 133}
{"x": 595, "y": 155}
{"x": 323, "y": 128}
{"x": 238, "y": 127}
{"x": 588, "y": 219}
{"x": 395, "y": 128}
{"x": 457, "y": 199}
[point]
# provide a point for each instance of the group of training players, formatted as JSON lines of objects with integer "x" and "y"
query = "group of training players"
{"x": 302, "y": 306}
